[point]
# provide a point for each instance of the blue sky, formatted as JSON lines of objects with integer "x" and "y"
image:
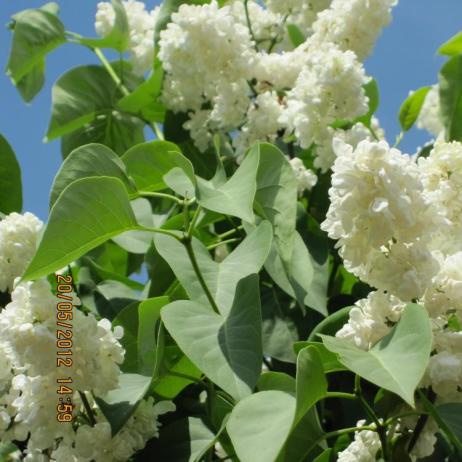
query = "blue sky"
{"x": 404, "y": 59}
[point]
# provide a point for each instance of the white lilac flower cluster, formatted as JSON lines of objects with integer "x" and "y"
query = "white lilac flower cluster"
{"x": 233, "y": 69}
{"x": 18, "y": 239}
{"x": 364, "y": 448}
{"x": 397, "y": 222}
{"x": 141, "y": 23}
{"x": 28, "y": 371}
{"x": 430, "y": 118}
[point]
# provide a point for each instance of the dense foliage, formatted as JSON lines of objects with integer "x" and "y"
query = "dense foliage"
{"x": 260, "y": 279}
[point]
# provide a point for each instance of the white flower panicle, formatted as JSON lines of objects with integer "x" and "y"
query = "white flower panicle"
{"x": 410, "y": 254}
{"x": 262, "y": 122}
{"x": 353, "y": 24}
{"x": 330, "y": 87}
{"x": 202, "y": 48}
{"x": 371, "y": 319}
{"x": 141, "y": 23}
{"x": 444, "y": 296}
{"x": 325, "y": 154}
{"x": 28, "y": 377}
{"x": 306, "y": 179}
{"x": 18, "y": 239}
{"x": 381, "y": 218}
{"x": 232, "y": 78}
{"x": 364, "y": 448}
{"x": 442, "y": 177}
{"x": 97, "y": 444}
{"x": 430, "y": 115}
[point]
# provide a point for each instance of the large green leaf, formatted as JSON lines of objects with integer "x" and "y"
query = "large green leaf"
{"x": 157, "y": 165}
{"x": 260, "y": 424}
{"x": 451, "y": 98}
{"x": 411, "y": 108}
{"x": 138, "y": 242}
{"x": 276, "y": 381}
{"x": 453, "y": 47}
{"x": 119, "y": 404}
{"x": 221, "y": 278}
{"x": 87, "y": 213}
{"x": 183, "y": 440}
{"x": 119, "y": 37}
{"x": 143, "y": 101}
{"x": 36, "y": 32}
{"x": 331, "y": 325}
{"x": 276, "y": 197}
{"x": 10, "y": 179}
{"x": 150, "y": 335}
{"x": 128, "y": 319}
{"x": 294, "y": 278}
{"x": 89, "y": 161}
{"x": 115, "y": 130}
{"x": 317, "y": 243}
{"x": 329, "y": 360}
{"x": 305, "y": 440}
{"x": 236, "y": 196}
{"x": 226, "y": 348}
{"x": 447, "y": 417}
{"x": 279, "y": 329}
{"x": 81, "y": 96}
{"x": 398, "y": 361}
{"x": 451, "y": 413}
{"x": 179, "y": 375}
{"x": 311, "y": 381}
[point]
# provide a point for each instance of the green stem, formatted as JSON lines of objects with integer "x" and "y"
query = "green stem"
{"x": 195, "y": 217}
{"x": 159, "y": 195}
{"x": 338, "y": 394}
{"x": 399, "y": 138}
{"x": 249, "y": 24}
{"x": 217, "y": 244}
{"x": 421, "y": 422}
{"x": 117, "y": 80}
{"x": 111, "y": 71}
{"x": 88, "y": 410}
{"x": 276, "y": 37}
{"x": 380, "y": 428}
{"x": 159, "y": 231}
{"x": 230, "y": 232}
{"x": 189, "y": 248}
{"x": 186, "y": 377}
{"x": 390, "y": 420}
